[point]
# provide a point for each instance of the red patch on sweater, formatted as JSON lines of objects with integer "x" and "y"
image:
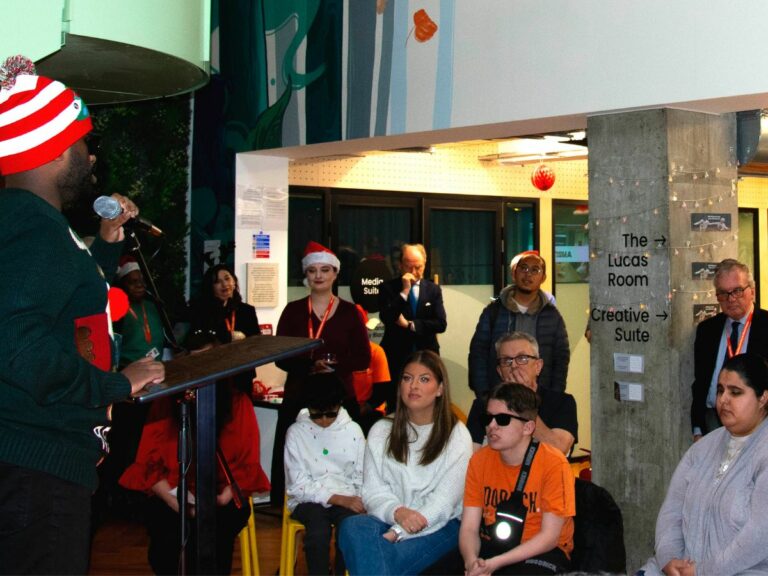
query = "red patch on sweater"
{"x": 92, "y": 340}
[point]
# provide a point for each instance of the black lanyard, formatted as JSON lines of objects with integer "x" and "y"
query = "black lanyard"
{"x": 526, "y": 468}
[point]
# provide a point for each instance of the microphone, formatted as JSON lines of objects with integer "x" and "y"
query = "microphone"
{"x": 109, "y": 208}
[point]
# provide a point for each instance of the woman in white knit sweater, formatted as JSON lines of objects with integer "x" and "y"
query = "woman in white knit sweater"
{"x": 413, "y": 478}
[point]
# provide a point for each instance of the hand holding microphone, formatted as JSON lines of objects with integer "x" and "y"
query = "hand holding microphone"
{"x": 116, "y": 211}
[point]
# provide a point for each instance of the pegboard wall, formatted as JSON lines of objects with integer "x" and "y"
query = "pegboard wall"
{"x": 447, "y": 170}
{"x": 457, "y": 170}
{"x": 753, "y": 192}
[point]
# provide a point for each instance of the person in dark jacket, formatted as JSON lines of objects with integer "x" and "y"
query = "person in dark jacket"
{"x": 519, "y": 362}
{"x": 739, "y": 327}
{"x": 411, "y": 308}
{"x": 521, "y": 307}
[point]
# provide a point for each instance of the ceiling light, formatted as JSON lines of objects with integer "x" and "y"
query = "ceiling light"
{"x": 550, "y": 148}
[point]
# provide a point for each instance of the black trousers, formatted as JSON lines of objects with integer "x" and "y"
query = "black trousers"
{"x": 319, "y": 522}
{"x": 44, "y": 523}
{"x": 165, "y": 536}
{"x": 553, "y": 562}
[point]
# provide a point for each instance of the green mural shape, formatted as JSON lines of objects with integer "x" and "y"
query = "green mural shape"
{"x": 277, "y": 15}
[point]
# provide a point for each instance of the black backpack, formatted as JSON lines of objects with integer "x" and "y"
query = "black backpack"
{"x": 598, "y": 536}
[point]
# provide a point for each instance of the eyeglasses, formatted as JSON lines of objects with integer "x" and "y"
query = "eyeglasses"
{"x": 734, "y": 294}
{"x": 520, "y": 359}
{"x": 326, "y": 414}
{"x": 533, "y": 271}
{"x": 501, "y": 419}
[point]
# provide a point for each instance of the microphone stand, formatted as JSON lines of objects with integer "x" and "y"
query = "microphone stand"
{"x": 181, "y": 489}
{"x": 130, "y": 233}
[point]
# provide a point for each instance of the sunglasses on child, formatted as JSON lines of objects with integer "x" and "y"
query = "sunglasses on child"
{"x": 501, "y": 419}
{"x": 326, "y": 414}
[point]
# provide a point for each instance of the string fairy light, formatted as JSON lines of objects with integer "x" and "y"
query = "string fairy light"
{"x": 690, "y": 190}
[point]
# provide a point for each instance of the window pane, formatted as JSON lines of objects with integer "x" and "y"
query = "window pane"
{"x": 518, "y": 231}
{"x": 371, "y": 234}
{"x": 519, "y": 227}
{"x": 571, "y": 244}
{"x": 461, "y": 246}
{"x": 747, "y": 225}
{"x": 305, "y": 223}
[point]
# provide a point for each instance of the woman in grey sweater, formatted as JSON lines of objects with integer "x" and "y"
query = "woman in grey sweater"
{"x": 713, "y": 520}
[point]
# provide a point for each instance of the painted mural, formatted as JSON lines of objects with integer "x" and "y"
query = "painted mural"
{"x": 293, "y": 72}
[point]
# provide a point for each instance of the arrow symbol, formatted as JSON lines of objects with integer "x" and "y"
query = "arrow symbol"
{"x": 663, "y": 315}
{"x": 662, "y": 240}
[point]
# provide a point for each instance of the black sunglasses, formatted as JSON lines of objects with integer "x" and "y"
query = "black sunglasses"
{"x": 501, "y": 419}
{"x": 326, "y": 414}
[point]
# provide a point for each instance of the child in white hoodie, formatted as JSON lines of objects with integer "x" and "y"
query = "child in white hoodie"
{"x": 324, "y": 452}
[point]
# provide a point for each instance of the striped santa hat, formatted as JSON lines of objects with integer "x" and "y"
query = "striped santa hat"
{"x": 39, "y": 118}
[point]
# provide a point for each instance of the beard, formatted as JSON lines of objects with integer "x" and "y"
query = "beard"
{"x": 77, "y": 181}
{"x": 523, "y": 290}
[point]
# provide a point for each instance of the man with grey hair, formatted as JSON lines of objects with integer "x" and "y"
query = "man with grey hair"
{"x": 411, "y": 308}
{"x": 737, "y": 329}
{"x": 518, "y": 361}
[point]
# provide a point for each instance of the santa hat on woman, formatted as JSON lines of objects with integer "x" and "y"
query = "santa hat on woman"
{"x": 127, "y": 265}
{"x": 316, "y": 253}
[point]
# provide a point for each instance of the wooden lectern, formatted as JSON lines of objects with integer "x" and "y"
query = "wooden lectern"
{"x": 198, "y": 372}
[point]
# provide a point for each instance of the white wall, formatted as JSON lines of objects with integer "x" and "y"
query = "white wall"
{"x": 529, "y": 59}
{"x": 259, "y": 171}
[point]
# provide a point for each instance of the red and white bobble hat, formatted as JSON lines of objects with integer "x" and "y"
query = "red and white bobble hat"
{"x": 39, "y": 118}
{"x": 315, "y": 253}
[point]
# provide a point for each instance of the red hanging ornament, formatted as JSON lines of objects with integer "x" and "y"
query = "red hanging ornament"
{"x": 543, "y": 177}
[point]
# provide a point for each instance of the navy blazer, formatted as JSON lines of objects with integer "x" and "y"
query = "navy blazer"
{"x": 429, "y": 321}
{"x": 705, "y": 350}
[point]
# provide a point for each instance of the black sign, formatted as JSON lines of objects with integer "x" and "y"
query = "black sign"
{"x": 366, "y": 280}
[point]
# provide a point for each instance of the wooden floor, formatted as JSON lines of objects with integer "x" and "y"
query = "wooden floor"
{"x": 120, "y": 546}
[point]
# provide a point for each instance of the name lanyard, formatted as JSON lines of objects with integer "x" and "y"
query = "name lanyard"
{"x": 230, "y": 323}
{"x": 147, "y": 329}
{"x": 741, "y": 338}
{"x": 310, "y": 328}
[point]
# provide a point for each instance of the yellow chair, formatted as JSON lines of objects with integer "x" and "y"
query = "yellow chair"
{"x": 249, "y": 553}
{"x": 288, "y": 550}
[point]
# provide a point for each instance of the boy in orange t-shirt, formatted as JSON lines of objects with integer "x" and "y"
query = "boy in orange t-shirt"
{"x": 548, "y": 495}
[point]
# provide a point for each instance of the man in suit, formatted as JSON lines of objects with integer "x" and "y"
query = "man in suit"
{"x": 411, "y": 308}
{"x": 739, "y": 328}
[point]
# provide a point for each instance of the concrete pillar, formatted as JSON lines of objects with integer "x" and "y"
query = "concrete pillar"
{"x": 658, "y": 181}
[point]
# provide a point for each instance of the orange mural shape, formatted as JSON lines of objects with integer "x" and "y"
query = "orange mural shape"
{"x": 425, "y": 26}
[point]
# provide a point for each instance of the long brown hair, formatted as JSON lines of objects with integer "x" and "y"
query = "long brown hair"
{"x": 443, "y": 418}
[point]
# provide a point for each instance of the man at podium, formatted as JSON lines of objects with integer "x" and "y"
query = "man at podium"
{"x": 56, "y": 383}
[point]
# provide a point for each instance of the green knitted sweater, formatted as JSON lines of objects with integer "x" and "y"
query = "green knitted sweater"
{"x": 54, "y": 404}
